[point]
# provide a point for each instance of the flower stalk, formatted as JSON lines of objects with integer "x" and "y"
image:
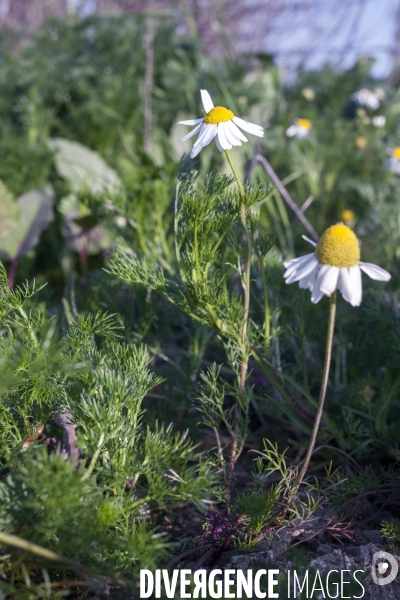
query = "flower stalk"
{"x": 237, "y": 446}
{"x": 246, "y": 281}
{"x": 322, "y": 395}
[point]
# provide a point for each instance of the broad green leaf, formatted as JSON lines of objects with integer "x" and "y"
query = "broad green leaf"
{"x": 9, "y": 211}
{"x": 36, "y": 213}
{"x": 82, "y": 167}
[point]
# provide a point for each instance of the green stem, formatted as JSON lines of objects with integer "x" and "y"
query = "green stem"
{"x": 196, "y": 251}
{"x": 29, "y": 327}
{"x": 246, "y": 282}
{"x": 237, "y": 445}
{"x": 95, "y": 456}
{"x": 324, "y": 385}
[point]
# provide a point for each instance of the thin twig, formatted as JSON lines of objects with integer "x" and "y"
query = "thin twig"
{"x": 304, "y": 207}
{"x": 184, "y": 555}
{"x": 205, "y": 557}
{"x": 286, "y": 196}
{"x": 12, "y": 540}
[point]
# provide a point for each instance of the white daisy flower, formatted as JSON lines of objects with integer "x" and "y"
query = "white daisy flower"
{"x": 378, "y": 121}
{"x": 219, "y": 123}
{"x": 300, "y": 129}
{"x": 335, "y": 264}
{"x": 367, "y": 98}
{"x": 308, "y": 94}
{"x": 393, "y": 161}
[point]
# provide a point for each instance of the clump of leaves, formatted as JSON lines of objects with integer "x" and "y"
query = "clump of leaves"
{"x": 391, "y": 532}
{"x": 85, "y": 504}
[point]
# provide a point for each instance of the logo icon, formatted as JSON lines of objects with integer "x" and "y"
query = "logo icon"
{"x": 384, "y": 568}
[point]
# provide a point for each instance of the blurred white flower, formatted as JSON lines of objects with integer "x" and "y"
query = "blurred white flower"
{"x": 308, "y": 94}
{"x": 120, "y": 221}
{"x": 300, "y": 129}
{"x": 367, "y": 98}
{"x": 335, "y": 264}
{"x": 378, "y": 121}
{"x": 219, "y": 123}
{"x": 393, "y": 161}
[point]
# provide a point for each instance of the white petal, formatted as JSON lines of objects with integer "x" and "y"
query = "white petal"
{"x": 294, "y": 261}
{"x": 195, "y": 151}
{"x": 222, "y": 138}
{"x": 317, "y": 293}
{"x": 199, "y": 143}
{"x": 236, "y": 131}
{"x": 355, "y": 285}
{"x": 249, "y": 127}
{"x": 190, "y": 122}
{"x": 309, "y": 281}
{"x": 220, "y": 148}
{"x": 295, "y": 264}
{"x": 329, "y": 282}
{"x": 207, "y": 102}
{"x": 203, "y": 135}
{"x": 210, "y": 134}
{"x": 302, "y": 270}
{"x": 375, "y": 272}
{"x": 191, "y": 133}
{"x": 206, "y": 136}
{"x": 309, "y": 241}
{"x": 302, "y": 132}
{"x": 291, "y": 131}
{"x": 230, "y": 136}
{"x": 344, "y": 283}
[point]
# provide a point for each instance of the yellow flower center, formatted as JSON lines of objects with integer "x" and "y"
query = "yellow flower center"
{"x": 396, "y": 152}
{"x": 361, "y": 143}
{"x": 218, "y": 114}
{"x": 304, "y": 123}
{"x": 338, "y": 247}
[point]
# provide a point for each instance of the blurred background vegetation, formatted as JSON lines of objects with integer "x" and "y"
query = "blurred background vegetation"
{"x": 89, "y": 155}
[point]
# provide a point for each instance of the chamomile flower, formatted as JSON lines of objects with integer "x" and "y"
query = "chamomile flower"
{"x": 219, "y": 123}
{"x": 378, "y": 121}
{"x": 300, "y": 129}
{"x": 367, "y": 98}
{"x": 393, "y": 161}
{"x": 308, "y": 94}
{"x": 335, "y": 264}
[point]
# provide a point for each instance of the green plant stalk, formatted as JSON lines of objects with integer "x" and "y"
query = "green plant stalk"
{"x": 196, "y": 251}
{"x": 28, "y": 327}
{"x": 324, "y": 385}
{"x": 246, "y": 283}
{"x": 237, "y": 448}
{"x": 95, "y": 456}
